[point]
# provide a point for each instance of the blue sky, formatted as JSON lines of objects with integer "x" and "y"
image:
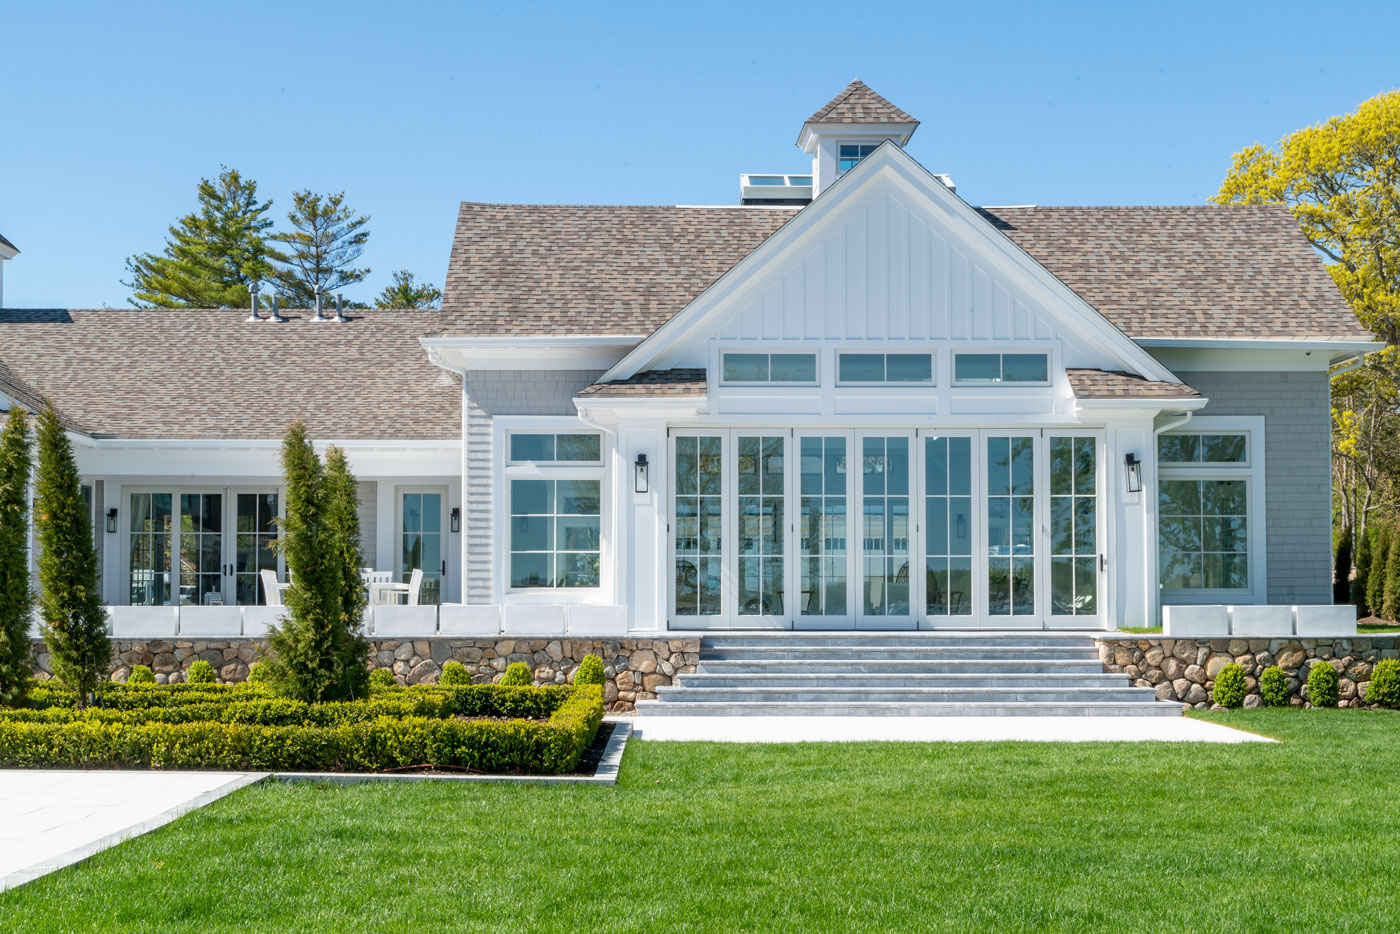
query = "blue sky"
{"x": 113, "y": 112}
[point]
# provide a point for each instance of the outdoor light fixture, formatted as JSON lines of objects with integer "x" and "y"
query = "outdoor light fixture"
{"x": 1134, "y": 466}
{"x": 112, "y": 519}
{"x": 641, "y": 483}
{"x": 454, "y": 521}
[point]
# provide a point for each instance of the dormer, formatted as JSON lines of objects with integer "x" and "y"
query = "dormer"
{"x": 848, "y": 129}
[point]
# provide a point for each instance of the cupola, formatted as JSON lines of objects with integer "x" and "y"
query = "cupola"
{"x": 848, "y": 129}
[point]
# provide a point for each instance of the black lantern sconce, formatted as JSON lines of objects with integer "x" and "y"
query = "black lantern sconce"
{"x": 1134, "y": 467}
{"x": 641, "y": 482}
{"x": 112, "y": 519}
{"x": 454, "y": 519}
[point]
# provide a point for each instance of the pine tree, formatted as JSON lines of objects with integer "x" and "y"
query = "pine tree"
{"x": 1363, "y": 574}
{"x": 404, "y": 292}
{"x": 212, "y": 255}
{"x": 1390, "y": 597}
{"x": 327, "y": 238}
{"x": 319, "y": 653}
{"x": 343, "y": 515}
{"x": 1341, "y": 567}
{"x": 75, "y": 622}
{"x": 16, "y": 597}
{"x": 1380, "y": 560}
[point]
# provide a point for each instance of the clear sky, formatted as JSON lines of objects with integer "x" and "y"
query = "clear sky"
{"x": 113, "y": 111}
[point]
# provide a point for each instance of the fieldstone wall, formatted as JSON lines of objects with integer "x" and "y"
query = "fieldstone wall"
{"x": 1184, "y": 669}
{"x": 635, "y": 668}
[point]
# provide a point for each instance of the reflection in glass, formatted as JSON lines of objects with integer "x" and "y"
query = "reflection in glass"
{"x": 885, "y": 525}
{"x": 1011, "y": 539}
{"x": 823, "y": 527}
{"x": 1073, "y": 527}
{"x": 699, "y": 525}
{"x": 948, "y": 526}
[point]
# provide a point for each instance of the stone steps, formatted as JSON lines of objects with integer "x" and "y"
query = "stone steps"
{"x": 922, "y": 674}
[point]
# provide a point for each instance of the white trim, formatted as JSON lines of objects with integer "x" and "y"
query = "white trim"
{"x": 1260, "y": 343}
{"x": 444, "y": 531}
{"x": 890, "y": 162}
{"x": 546, "y": 352}
{"x": 1255, "y": 474}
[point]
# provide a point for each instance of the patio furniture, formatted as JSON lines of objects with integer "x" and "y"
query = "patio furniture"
{"x": 273, "y": 589}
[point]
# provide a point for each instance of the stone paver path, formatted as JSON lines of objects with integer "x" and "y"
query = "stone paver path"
{"x": 52, "y": 819}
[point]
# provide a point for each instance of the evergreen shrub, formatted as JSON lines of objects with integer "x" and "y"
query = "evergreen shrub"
{"x": 1385, "y": 684}
{"x": 1230, "y": 686}
{"x": 518, "y": 674}
{"x": 1322, "y": 684}
{"x": 201, "y": 672}
{"x": 454, "y": 673}
{"x": 590, "y": 671}
{"x": 1273, "y": 687}
{"x": 382, "y": 678}
{"x": 140, "y": 674}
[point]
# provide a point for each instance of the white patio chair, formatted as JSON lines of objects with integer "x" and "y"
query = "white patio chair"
{"x": 272, "y": 590}
{"x": 415, "y": 586}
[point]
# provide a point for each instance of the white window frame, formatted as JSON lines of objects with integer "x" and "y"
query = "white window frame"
{"x": 873, "y": 144}
{"x": 769, "y": 352}
{"x": 1050, "y": 367}
{"x": 1254, "y": 474}
{"x": 446, "y": 533}
{"x": 504, "y": 470}
{"x": 886, "y": 353}
{"x": 555, "y": 432}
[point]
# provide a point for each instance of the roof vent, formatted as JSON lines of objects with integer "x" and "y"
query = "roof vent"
{"x": 320, "y": 306}
{"x": 340, "y": 309}
{"x": 275, "y": 317}
{"x": 253, "y": 294}
{"x": 775, "y": 189}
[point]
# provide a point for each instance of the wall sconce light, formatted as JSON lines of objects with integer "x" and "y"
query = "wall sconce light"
{"x": 641, "y": 483}
{"x": 454, "y": 519}
{"x": 112, "y": 519}
{"x": 1134, "y": 467}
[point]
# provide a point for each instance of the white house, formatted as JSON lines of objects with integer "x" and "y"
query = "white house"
{"x": 853, "y": 401}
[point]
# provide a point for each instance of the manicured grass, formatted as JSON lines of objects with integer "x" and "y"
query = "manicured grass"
{"x": 1391, "y": 628}
{"x": 1299, "y": 836}
{"x": 1140, "y": 630}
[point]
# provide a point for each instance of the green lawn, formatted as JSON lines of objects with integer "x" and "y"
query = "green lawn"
{"x": 1299, "y": 836}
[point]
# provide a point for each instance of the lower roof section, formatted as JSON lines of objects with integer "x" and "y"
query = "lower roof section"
{"x": 1115, "y": 384}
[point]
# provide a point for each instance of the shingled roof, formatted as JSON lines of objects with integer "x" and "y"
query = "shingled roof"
{"x": 681, "y": 381}
{"x": 1237, "y": 271}
{"x": 859, "y": 104}
{"x": 1115, "y": 384}
{"x": 175, "y": 373}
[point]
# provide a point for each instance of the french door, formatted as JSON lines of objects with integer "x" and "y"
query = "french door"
{"x": 887, "y": 529}
{"x": 200, "y": 547}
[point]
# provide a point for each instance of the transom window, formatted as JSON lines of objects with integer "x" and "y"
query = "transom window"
{"x": 879, "y": 368}
{"x": 555, "y": 533}
{"x": 1203, "y": 449}
{"x": 1001, "y": 368}
{"x": 769, "y": 368}
{"x": 555, "y": 447}
{"x": 851, "y": 153}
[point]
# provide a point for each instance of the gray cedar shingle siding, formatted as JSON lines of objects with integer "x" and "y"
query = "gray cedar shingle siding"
{"x": 490, "y": 393}
{"x": 1298, "y": 460}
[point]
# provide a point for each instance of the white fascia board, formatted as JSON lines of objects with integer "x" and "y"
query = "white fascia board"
{"x": 1333, "y": 351}
{"x": 260, "y": 459}
{"x": 854, "y": 131}
{"x": 7, "y": 253}
{"x": 1153, "y": 405}
{"x": 615, "y": 408}
{"x": 529, "y": 353}
{"x": 1000, "y": 251}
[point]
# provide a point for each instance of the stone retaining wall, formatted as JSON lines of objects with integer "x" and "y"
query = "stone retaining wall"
{"x": 1185, "y": 669}
{"x": 635, "y": 668}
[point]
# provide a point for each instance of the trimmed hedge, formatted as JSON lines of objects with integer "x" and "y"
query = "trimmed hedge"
{"x": 454, "y": 673}
{"x": 381, "y": 678}
{"x": 1273, "y": 687}
{"x": 201, "y": 672}
{"x": 590, "y": 671}
{"x": 1385, "y": 684}
{"x": 348, "y": 745}
{"x": 518, "y": 674}
{"x": 1230, "y": 686}
{"x": 1322, "y": 684}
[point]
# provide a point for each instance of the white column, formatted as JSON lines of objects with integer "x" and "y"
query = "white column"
{"x": 644, "y": 545}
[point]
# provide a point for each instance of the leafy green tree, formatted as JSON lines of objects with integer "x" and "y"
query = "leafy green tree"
{"x": 1341, "y": 567}
{"x": 318, "y": 652}
{"x": 343, "y": 514}
{"x": 1390, "y": 595}
{"x": 404, "y": 292}
{"x": 211, "y": 255}
{"x": 1380, "y": 560}
{"x": 16, "y": 597}
{"x": 325, "y": 241}
{"x": 74, "y": 620}
{"x": 1363, "y": 575}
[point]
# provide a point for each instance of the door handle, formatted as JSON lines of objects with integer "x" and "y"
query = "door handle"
{"x": 444, "y": 567}
{"x": 1103, "y": 562}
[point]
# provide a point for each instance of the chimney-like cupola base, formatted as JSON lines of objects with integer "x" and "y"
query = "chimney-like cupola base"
{"x": 850, "y": 127}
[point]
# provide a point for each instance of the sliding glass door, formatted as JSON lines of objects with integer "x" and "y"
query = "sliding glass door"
{"x": 825, "y": 551}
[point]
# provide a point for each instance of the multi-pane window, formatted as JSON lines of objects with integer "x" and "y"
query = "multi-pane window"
{"x": 201, "y": 549}
{"x": 769, "y": 367}
{"x": 555, "y": 533}
{"x": 823, "y": 527}
{"x": 255, "y": 545}
{"x": 849, "y": 154}
{"x": 1001, "y": 368}
{"x": 699, "y": 525}
{"x": 882, "y": 368}
{"x": 421, "y": 544}
{"x": 1011, "y": 536}
{"x": 885, "y": 525}
{"x": 948, "y": 526}
{"x": 555, "y": 447}
{"x": 1074, "y": 572}
{"x": 152, "y": 527}
{"x": 760, "y": 471}
{"x": 1203, "y": 510}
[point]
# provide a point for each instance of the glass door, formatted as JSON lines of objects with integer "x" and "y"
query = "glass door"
{"x": 421, "y": 541}
{"x": 824, "y": 547}
{"x": 885, "y": 489}
{"x": 1013, "y": 543}
{"x": 948, "y": 528}
{"x": 255, "y": 514}
{"x": 760, "y": 472}
{"x": 697, "y": 531}
{"x": 1076, "y": 563}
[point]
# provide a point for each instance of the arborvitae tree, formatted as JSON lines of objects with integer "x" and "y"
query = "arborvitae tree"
{"x": 212, "y": 255}
{"x": 343, "y": 516}
{"x": 326, "y": 239}
{"x": 318, "y": 653}
{"x": 1363, "y": 575}
{"x": 1341, "y": 567}
{"x": 1390, "y": 602}
{"x": 16, "y": 597}
{"x": 75, "y": 623}
{"x": 1380, "y": 560}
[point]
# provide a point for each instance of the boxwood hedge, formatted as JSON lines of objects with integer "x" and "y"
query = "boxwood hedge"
{"x": 535, "y": 730}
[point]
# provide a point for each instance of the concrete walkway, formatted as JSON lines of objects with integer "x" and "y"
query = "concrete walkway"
{"x": 938, "y": 729}
{"x": 52, "y": 819}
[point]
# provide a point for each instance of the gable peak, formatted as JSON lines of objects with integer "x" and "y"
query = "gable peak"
{"x": 858, "y": 103}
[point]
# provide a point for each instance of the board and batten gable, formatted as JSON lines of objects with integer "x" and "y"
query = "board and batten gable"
{"x": 887, "y": 265}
